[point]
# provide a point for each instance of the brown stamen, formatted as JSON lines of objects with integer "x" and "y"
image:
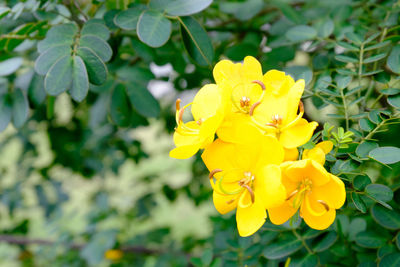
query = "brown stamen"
{"x": 199, "y": 121}
{"x": 271, "y": 124}
{"x": 213, "y": 172}
{"x": 276, "y": 119}
{"x": 181, "y": 114}
{"x": 301, "y": 107}
{"x": 245, "y": 101}
{"x": 260, "y": 83}
{"x": 292, "y": 194}
{"x": 250, "y": 191}
{"x": 230, "y": 201}
{"x": 323, "y": 203}
{"x": 178, "y": 104}
{"x": 253, "y": 107}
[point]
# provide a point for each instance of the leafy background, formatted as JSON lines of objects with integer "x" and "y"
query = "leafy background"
{"x": 87, "y": 91}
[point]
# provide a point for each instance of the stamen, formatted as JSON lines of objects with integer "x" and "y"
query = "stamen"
{"x": 260, "y": 83}
{"x": 292, "y": 194}
{"x": 200, "y": 121}
{"x": 178, "y": 104}
{"x": 181, "y": 114}
{"x": 253, "y": 107}
{"x": 323, "y": 203}
{"x": 301, "y": 107}
{"x": 271, "y": 124}
{"x": 250, "y": 191}
{"x": 276, "y": 119}
{"x": 245, "y": 101}
{"x": 230, "y": 201}
{"x": 213, "y": 172}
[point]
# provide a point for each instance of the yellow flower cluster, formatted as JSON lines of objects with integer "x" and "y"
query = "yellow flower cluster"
{"x": 254, "y": 166}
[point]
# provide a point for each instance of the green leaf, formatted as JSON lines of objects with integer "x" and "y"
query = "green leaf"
{"x": 356, "y": 226}
{"x": 120, "y": 110}
{"x": 326, "y": 28}
{"x": 348, "y": 46}
{"x": 128, "y": 19}
{"x": 376, "y": 46}
{"x": 358, "y": 202}
{"x": 326, "y": 242}
{"x": 180, "y": 7}
{"x": 20, "y": 108}
{"x": 346, "y": 59}
{"x": 44, "y": 62}
{"x": 364, "y": 148}
{"x": 80, "y": 80}
{"x": 300, "y": 72}
{"x": 342, "y": 81}
{"x": 58, "y": 35}
{"x": 386, "y": 154}
{"x": 196, "y": 41}
{"x": 97, "y": 29}
{"x": 389, "y": 219}
{"x": 282, "y": 248}
{"x": 301, "y": 33}
{"x": 394, "y": 101}
{"x": 369, "y": 240}
{"x": 355, "y": 38}
{"x": 398, "y": 240}
{"x": 4, "y": 11}
{"x": 96, "y": 68}
{"x": 59, "y": 77}
{"x": 380, "y": 193}
{"x": 374, "y": 116}
{"x": 207, "y": 257}
{"x": 393, "y": 61}
{"x": 390, "y": 91}
{"x": 244, "y": 10}
{"x": 98, "y": 45}
{"x": 153, "y": 28}
{"x": 9, "y": 66}
{"x": 309, "y": 260}
{"x": 366, "y": 125}
{"x": 374, "y": 58}
{"x": 5, "y": 111}
{"x": 390, "y": 260}
{"x": 94, "y": 251}
{"x": 143, "y": 101}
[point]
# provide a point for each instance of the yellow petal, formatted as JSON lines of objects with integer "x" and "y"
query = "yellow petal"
{"x": 281, "y": 214}
{"x": 251, "y": 69}
{"x": 291, "y": 154}
{"x": 184, "y": 152}
{"x": 224, "y": 203}
{"x": 314, "y": 207}
{"x": 333, "y": 192}
{"x": 206, "y": 102}
{"x": 226, "y": 71}
{"x": 294, "y": 96}
{"x": 270, "y": 151}
{"x": 219, "y": 155}
{"x": 251, "y": 218}
{"x": 318, "y": 222}
{"x": 277, "y": 82}
{"x": 326, "y": 146}
{"x": 299, "y": 170}
{"x": 186, "y": 139}
{"x": 316, "y": 154}
{"x": 298, "y": 134}
{"x": 269, "y": 187}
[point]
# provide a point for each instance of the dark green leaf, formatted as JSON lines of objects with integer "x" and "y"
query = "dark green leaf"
{"x": 374, "y": 116}
{"x": 5, "y": 111}
{"x": 120, "y": 110}
{"x": 128, "y": 19}
{"x": 389, "y": 219}
{"x": 98, "y": 45}
{"x": 374, "y": 58}
{"x": 59, "y": 77}
{"x": 97, "y": 29}
{"x": 143, "y": 101}
{"x": 353, "y": 37}
{"x": 394, "y": 101}
{"x": 348, "y": 46}
{"x": 49, "y": 57}
{"x": 386, "y": 154}
{"x": 20, "y": 108}
{"x": 301, "y": 33}
{"x": 369, "y": 240}
{"x": 390, "y": 260}
{"x": 326, "y": 28}
{"x": 326, "y": 242}
{"x": 358, "y": 202}
{"x": 153, "y": 28}
{"x": 243, "y": 10}
{"x": 96, "y": 68}
{"x": 398, "y": 240}
{"x": 390, "y": 91}
{"x": 356, "y": 226}
{"x": 364, "y": 148}
{"x": 196, "y": 41}
{"x": 346, "y": 59}
{"x": 80, "y": 80}
{"x": 288, "y": 11}
{"x": 180, "y": 7}
{"x": 305, "y": 261}
{"x": 366, "y": 125}
{"x": 379, "y": 192}
{"x": 58, "y": 35}
{"x": 376, "y": 46}
{"x": 282, "y": 248}
{"x": 393, "y": 61}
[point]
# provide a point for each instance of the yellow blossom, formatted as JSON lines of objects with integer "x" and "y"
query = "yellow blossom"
{"x": 208, "y": 110}
{"x": 246, "y": 178}
{"x": 311, "y": 190}
{"x": 113, "y": 254}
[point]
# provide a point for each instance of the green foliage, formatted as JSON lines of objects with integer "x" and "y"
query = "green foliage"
{"x": 86, "y": 115}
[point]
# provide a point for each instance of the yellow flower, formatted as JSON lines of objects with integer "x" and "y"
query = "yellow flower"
{"x": 310, "y": 189}
{"x": 208, "y": 110}
{"x": 113, "y": 254}
{"x": 246, "y": 177}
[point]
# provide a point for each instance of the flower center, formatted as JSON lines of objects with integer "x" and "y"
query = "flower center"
{"x": 244, "y": 101}
{"x": 247, "y": 182}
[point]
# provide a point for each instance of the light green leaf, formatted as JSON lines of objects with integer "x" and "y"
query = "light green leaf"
{"x": 301, "y": 33}
{"x": 153, "y": 28}
{"x": 390, "y": 91}
{"x": 346, "y": 59}
{"x": 98, "y": 45}
{"x": 58, "y": 35}
{"x": 80, "y": 80}
{"x": 394, "y": 101}
{"x": 326, "y": 28}
{"x": 143, "y": 101}
{"x": 244, "y": 10}
{"x": 386, "y": 154}
{"x": 353, "y": 37}
{"x": 356, "y": 226}
{"x": 369, "y": 240}
{"x": 366, "y": 125}
{"x": 393, "y": 61}
{"x": 5, "y": 111}
{"x": 364, "y": 148}
{"x": 389, "y": 219}
{"x": 49, "y": 57}
{"x": 9, "y": 66}
{"x": 128, "y": 19}
{"x": 94, "y": 251}
{"x": 180, "y": 7}
{"x": 374, "y": 58}
{"x": 288, "y": 11}
{"x": 20, "y": 108}
{"x": 376, "y": 46}
{"x": 120, "y": 110}
{"x": 59, "y": 77}
{"x": 196, "y": 41}
{"x": 282, "y": 248}
{"x": 96, "y": 68}
{"x": 97, "y": 29}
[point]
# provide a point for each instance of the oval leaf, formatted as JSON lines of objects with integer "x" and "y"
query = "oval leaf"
{"x": 98, "y": 45}
{"x": 59, "y": 77}
{"x": 153, "y": 28}
{"x": 369, "y": 240}
{"x": 20, "y": 108}
{"x": 128, "y": 19}
{"x": 97, "y": 29}
{"x": 393, "y": 61}
{"x": 389, "y": 219}
{"x": 49, "y": 57}
{"x": 120, "y": 110}
{"x": 143, "y": 101}
{"x": 282, "y": 249}
{"x": 301, "y": 33}
{"x": 390, "y": 260}
{"x": 379, "y": 192}
{"x": 180, "y": 7}
{"x": 386, "y": 154}
{"x": 80, "y": 81}
{"x": 97, "y": 70}
{"x": 10, "y": 65}
{"x": 5, "y": 111}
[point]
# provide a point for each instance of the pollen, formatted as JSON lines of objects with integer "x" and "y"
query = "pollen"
{"x": 276, "y": 119}
{"x": 244, "y": 101}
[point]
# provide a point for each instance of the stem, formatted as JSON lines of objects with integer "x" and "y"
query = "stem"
{"x": 360, "y": 63}
{"x": 50, "y": 107}
{"x": 299, "y": 237}
{"x": 346, "y": 114}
